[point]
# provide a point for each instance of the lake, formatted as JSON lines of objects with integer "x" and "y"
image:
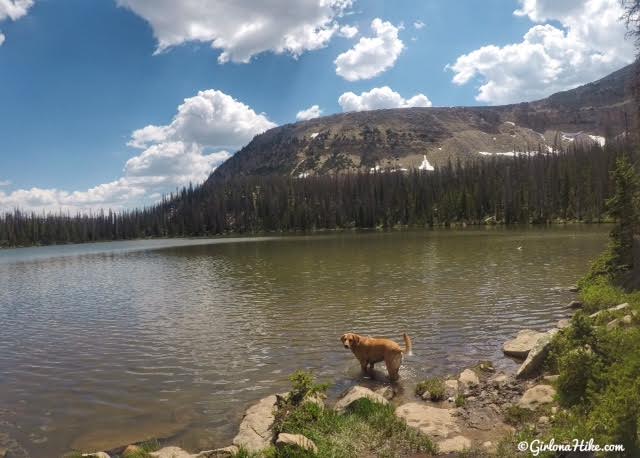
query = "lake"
{"x": 104, "y": 344}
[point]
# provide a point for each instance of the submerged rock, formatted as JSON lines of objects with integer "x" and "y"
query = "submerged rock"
{"x": 520, "y": 346}
{"x": 536, "y": 355}
{"x": 296, "y": 440}
{"x": 256, "y": 428}
{"x": 536, "y": 396}
{"x": 355, "y": 393}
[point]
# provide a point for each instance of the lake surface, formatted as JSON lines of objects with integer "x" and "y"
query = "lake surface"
{"x": 104, "y": 344}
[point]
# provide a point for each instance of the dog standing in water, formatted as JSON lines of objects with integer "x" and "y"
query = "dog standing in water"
{"x": 369, "y": 350}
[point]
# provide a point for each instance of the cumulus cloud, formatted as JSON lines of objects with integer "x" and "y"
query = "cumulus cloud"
{"x": 371, "y": 56}
{"x": 590, "y": 44}
{"x": 380, "y": 98}
{"x": 313, "y": 111}
{"x": 348, "y": 31}
{"x": 14, "y": 10}
{"x": 185, "y": 151}
{"x": 242, "y": 28}
{"x": 418, "y": 25}
{"x": 211, "y": 118}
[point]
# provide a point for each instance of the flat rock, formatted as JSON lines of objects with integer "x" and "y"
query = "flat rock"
{"x": 93, "y": 455}
{"x": 468, "y": 378}
{"x": 536, "y": 356}
{"x": 436, "y": 423}
{"x": 575, "y": 305}
{"x": 520, "y": 346}
{"x": 537, "y": 396}
{"x": 171, "y": 452}
{"x": 355, "y": 393}
{"x": 256, "y": 431}
{"x": 454, "y": 444}
{"x": 298, "y": 441}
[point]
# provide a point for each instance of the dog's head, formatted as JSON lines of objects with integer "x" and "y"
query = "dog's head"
{"x": 349, "y": 340}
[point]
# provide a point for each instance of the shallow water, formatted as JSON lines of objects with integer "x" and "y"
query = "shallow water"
{"x": 104, "y": 344}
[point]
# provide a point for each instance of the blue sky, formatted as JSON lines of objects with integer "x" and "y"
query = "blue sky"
{"x": 78, "y": 78}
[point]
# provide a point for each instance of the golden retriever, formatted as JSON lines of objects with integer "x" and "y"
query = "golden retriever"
{"x": 369, "y": 350}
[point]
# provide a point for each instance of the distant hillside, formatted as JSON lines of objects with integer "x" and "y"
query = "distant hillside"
{"x": 401, "y": 138}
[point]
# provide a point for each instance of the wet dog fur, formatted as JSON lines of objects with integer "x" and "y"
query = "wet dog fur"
{"x": 369, "y": 351}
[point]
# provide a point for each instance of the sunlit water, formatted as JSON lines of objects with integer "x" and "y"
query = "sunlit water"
{"x": 105, "y": 344}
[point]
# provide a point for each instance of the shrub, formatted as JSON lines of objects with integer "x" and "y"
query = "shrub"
{"x": 434, "y": 386}
{"x": 578, "y": 369}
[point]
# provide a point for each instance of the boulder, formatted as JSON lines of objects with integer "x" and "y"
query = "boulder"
{"x": 256, "y": 431}
{"x": 563, "y": 323}
{"x": 131, "y": 450}
{"x": 575, "y": 305}
{"x": 522, "y": 344}
{"x": 454, "y": 444}
{"x": 468, "y": 378}
{"x": 627, "y": 320}
{"x": 298, "y": 441}
{"x": 436, "y": 423}
{"x": 612, "y": 309}
{"x": 536, "y": 356}
{"x": 171, "y": 452}
{"x": 355, "y": 393}
{"x": 386, "y": 392}
{"x": 224, "y": 452}
{"x": 96, "y": 455}
{"x": 536, "y": 396}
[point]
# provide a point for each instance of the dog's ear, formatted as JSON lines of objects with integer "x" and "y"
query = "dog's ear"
{"x": 356, "y": 338}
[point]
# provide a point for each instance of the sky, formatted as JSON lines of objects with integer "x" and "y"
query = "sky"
{"x": 113, "y": 103}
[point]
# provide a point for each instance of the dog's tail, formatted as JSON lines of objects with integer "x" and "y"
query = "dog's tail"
{"x": 407, "y": 345}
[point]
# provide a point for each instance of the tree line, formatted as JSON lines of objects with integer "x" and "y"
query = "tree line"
{"x": 570, "y": 185}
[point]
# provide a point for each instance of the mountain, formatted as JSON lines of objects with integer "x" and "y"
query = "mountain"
{"x": 407, "y": 138}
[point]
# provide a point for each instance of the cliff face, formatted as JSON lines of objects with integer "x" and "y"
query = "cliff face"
{"x": 401, "y": 138}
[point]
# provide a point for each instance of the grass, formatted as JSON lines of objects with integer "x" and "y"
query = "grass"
{"x": 365, "y": 429}
{"x": 434, "y": 386}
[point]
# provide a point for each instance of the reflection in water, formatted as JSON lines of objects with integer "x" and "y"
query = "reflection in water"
{"x": 104, "y": 344}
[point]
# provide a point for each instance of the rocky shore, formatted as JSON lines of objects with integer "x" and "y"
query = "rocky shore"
{"x": 477, "y": 410}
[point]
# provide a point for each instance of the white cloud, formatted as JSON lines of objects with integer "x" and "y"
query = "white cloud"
{"x": 211, "y": 118}
{"x": 371, "y": 56}
{"x": 313, "y": 111}
{"x": 418, "y": 25}
{"x": 348, "y": 31}
{"x": 590, "y": 45}
{"x": 242, "y": 28}
{"x": 379, "y": 98}
{"x": 14, "y": 10}
{"x": 185, "y": 151}
{"x": 4, "y": 183}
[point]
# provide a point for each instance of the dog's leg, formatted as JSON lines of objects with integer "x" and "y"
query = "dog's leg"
{"x": 393, "y": 366}
{"x": 371, "y": 366}
{"x": 363, "y": 365}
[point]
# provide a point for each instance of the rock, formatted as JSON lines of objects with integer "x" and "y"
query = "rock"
{"x": 522, "y": 344}
{"x": 386, "y": 392}
{"x": 426, "y": 396}
{"x": 355, "y": 393}
{"x": 551, "y": 378}
{"x": 575, "y": 305}
{"x": 437, "y": 423}
{"x": 131, "y": 450}
{"x": 171, "y": 452}
{"x": 451, "y": 388}
{"x": 563, "y": 323}
{"x": 468, "y": 378}
{"x": 536, "y": 396}
{"x": 256, "y": 431}
{"x": 612, "y": 309}
{"x": 554, "y": 410}
{"x": 573, "y": 289}
{"x": 537, "y": 355}
{"x": 498, "y": 380}
{"x": 3, "y": 452}
{"x": 543, "y": 420}
{"x": 224, "y": 452}
{"x": 317, "y": 399}
{"x": 487, "y": 444}
{"x": 454, "y": 444}
{"x": 613, "y": 324}
{"x": 296, "y": 440}
{"x": 96, "y": 455}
